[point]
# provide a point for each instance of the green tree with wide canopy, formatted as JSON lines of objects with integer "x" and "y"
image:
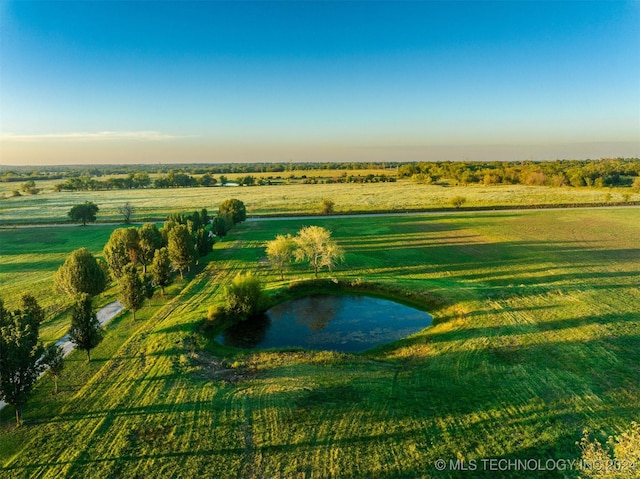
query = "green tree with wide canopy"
{"x": 80, "y": 273}
{"x": 314, "y": 244}
{"x": 85, "y": 213}
{"x": 122, "y": 248}
{"x": 234, "y": 208}
{"x": 280, "y": 252}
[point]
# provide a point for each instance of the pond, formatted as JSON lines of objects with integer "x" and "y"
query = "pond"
{"x": 328, "y": 322}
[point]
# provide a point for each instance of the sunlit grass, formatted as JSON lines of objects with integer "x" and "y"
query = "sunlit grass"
{"x": 403, "y": 195}
{"x": 535, "y": 339}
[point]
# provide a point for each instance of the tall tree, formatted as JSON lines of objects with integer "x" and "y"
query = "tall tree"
{"x": 181, "y": 248}
{"x": 204, "y": 216}
{"x": 132, "y": 289}
{"x": 221, "y": 225}
{"x": 32, "y": 309}
{"x": 204, "y": 242}
{"x": 235, "y": 208}
{"x": 85, "y": 332}
{"x": 280, "y": 252}
{"x": 150, "y": 241}
{"x": 122, "y": 248}
{"x": 85, "y": 212}
{"x": 314, "y": 244}
{"x": 20, "y": 352}
{"x": 80, "y": 273}
{"x": 161, "y": 268}
{"x": 53, "y": 360}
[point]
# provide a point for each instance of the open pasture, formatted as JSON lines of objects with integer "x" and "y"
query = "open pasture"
{"x": 51, "y": 207}
{"x": 535, "y": 338}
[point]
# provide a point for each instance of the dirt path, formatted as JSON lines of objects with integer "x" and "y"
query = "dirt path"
{"x": 104, "y": 315}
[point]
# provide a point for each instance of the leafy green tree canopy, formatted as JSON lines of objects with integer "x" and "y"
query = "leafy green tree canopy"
{"x": 150, "y": 242}
{"x": 53, "y": 359}
{"x": 280, "y": 252}
{"x": 32, "y": 309}
{"x": 234, "y": 208}
{"x": 122, "y": 248}
{"x": 244, "y": 297}
{"x": 161, "y": 268}
{"x": 314, "y": 244}
{"x": 85, "y": 332}
{"x": 20, "y": 352}
{"x": 85, "y": 213}
{"x": 181, "y": 248}
{"x": 132, "y": 289}
{"x": 80, "y": 273}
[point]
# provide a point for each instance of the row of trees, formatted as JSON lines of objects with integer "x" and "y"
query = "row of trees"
{"x": 139, "y": 179}
{"x": 182, "y": 240}
{"x": 602, "y": 172}
{"x": 23, "y": 357}
{"x": 21, "y": 173}
{"x": 183, "y": 180}
{"x": 173, "y": 179}
{"x": 598, "y": 173}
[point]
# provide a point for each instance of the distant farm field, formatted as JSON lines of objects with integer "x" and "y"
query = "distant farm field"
{"x": 52, "y": 207}
{"x": 535, "y": 338}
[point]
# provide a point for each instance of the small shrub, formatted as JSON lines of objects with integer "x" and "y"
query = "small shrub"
{"x": 458, "y": 201}
{"x": 328, "y": 206}
{"x": 623, "y": 454}
{"x": 244, "y": 297}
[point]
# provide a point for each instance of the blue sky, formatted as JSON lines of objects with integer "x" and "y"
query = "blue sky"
{"x": 161, "y": 81}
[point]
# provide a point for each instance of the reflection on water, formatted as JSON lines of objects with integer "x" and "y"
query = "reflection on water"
{"x": 247, "y": 334}
{"x": 339, "y": 323}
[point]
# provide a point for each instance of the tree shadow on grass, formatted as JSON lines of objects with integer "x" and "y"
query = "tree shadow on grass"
{"x": 187, "y": 327}
{"x": 471, "y": 333}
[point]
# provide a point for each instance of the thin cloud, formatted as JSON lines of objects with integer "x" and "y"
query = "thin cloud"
{"x": 90, "y": 137}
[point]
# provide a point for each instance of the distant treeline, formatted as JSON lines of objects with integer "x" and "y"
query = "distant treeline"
{"x": 594, "y": 173}
{"x": 20, "y": 173}
{"x": 597, "y": 173}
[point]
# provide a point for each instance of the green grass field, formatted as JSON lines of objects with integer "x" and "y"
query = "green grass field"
{"x": 51, "y": 207}
{"x": 535, "y": 338}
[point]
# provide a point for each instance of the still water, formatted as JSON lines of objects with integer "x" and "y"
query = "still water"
{"x": 326, "y": 322}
